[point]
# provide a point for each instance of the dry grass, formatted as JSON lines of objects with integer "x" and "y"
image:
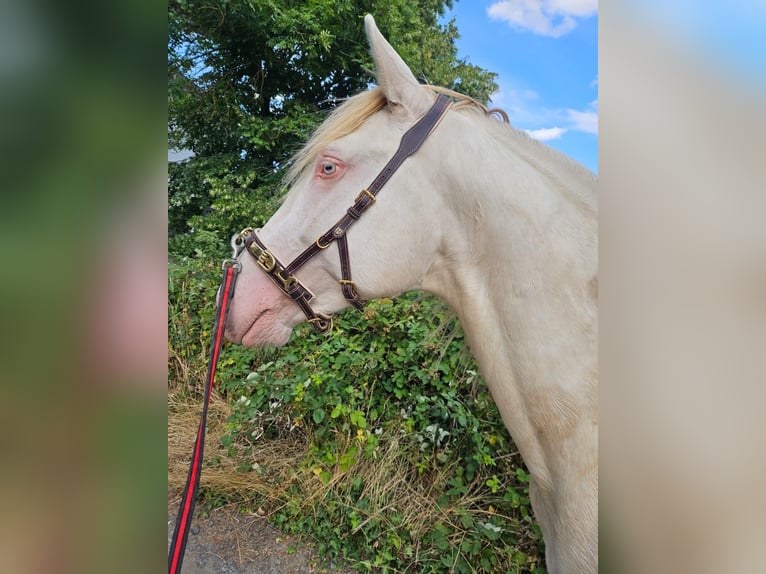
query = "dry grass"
{"x": 220, "y": 471}
{"x": 390, "y": 483}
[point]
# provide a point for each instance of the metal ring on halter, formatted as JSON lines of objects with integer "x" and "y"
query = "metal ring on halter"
{"x": 325, "y": 320}
{"x": 319, "y": 243}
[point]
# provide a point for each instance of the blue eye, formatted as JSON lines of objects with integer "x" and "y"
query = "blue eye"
{"x": 328, "y": 168}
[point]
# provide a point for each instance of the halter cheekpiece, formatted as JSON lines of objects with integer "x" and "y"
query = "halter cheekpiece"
{"x": 284, "y": 277}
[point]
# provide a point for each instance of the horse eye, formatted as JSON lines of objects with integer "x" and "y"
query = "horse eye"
{"x": 328, "y": 168}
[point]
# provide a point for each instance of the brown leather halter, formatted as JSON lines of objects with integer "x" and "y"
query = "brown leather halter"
{"x": 284, "y": 275}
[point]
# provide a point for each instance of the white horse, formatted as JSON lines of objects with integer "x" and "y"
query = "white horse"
{"x": 500, "y": 226}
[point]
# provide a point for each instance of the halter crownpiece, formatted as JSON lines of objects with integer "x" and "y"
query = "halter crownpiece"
{"x": 284, "y": 277}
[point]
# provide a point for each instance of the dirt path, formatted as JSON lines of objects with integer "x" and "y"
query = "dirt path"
{"x": 227, "y": 542}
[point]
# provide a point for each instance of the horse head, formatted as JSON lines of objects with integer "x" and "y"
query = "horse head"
{"x": 389, "y": 250}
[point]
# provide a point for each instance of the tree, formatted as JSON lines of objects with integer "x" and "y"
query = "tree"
{"x": 249, "y": 80}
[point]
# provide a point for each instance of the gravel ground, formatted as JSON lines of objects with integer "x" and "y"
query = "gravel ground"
{"x": 227, "y": 542}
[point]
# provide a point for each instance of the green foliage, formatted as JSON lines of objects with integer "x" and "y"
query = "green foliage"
{"x": 191, "y": 292}
{"x": 192, "y": 286}
{"x": 393, "y": 396}
{"x": 398, "y": 374}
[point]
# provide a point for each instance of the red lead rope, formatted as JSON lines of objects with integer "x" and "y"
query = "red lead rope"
{"x": 186, "y": 511}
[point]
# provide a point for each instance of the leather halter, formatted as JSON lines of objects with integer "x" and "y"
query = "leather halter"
{"x": 284, "y": 277}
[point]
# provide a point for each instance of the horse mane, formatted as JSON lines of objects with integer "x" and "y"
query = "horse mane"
{"x": 462, "y": 101}
{"x": 528, "y": 143}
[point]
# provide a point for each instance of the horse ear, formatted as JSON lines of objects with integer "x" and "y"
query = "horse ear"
{"x": 393, "y": 75}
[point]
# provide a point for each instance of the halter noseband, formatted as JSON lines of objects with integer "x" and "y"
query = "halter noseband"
{"x": 284, "y": 277}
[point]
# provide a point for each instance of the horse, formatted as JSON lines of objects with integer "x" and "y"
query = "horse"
{"x": 500, "y": 226}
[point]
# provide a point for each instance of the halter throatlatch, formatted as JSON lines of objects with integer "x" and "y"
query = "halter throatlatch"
{"x": 284, "y": 277}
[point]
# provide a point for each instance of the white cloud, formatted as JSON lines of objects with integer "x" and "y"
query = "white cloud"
{"x": 582, "y": 8}
{"x": 544, "y": 17}
{"x": 585, "y": 120}
{"x": 547, "y": 134}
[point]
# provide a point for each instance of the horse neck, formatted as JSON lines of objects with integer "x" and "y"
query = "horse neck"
{"x": 517, "y": 263}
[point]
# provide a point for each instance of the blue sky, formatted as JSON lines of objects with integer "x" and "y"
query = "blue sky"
{"x": 545, "y": 53}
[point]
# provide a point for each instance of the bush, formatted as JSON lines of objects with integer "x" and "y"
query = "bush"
{"x": 406, "y": 463}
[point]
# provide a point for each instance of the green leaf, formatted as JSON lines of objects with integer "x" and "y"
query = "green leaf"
{"x": 357, "y": 419}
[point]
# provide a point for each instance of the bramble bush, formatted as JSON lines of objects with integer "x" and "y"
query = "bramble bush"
{"x": 406, "y": 464}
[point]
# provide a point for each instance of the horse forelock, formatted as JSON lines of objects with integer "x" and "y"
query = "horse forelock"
{"x": 342, "y": 121}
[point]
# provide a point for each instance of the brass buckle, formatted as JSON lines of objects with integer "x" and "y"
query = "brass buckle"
{"x": 266, "y": 260}
{"x": 366, "y": 192}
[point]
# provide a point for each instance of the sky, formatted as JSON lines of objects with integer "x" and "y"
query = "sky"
{"x": 545, "y": 53}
